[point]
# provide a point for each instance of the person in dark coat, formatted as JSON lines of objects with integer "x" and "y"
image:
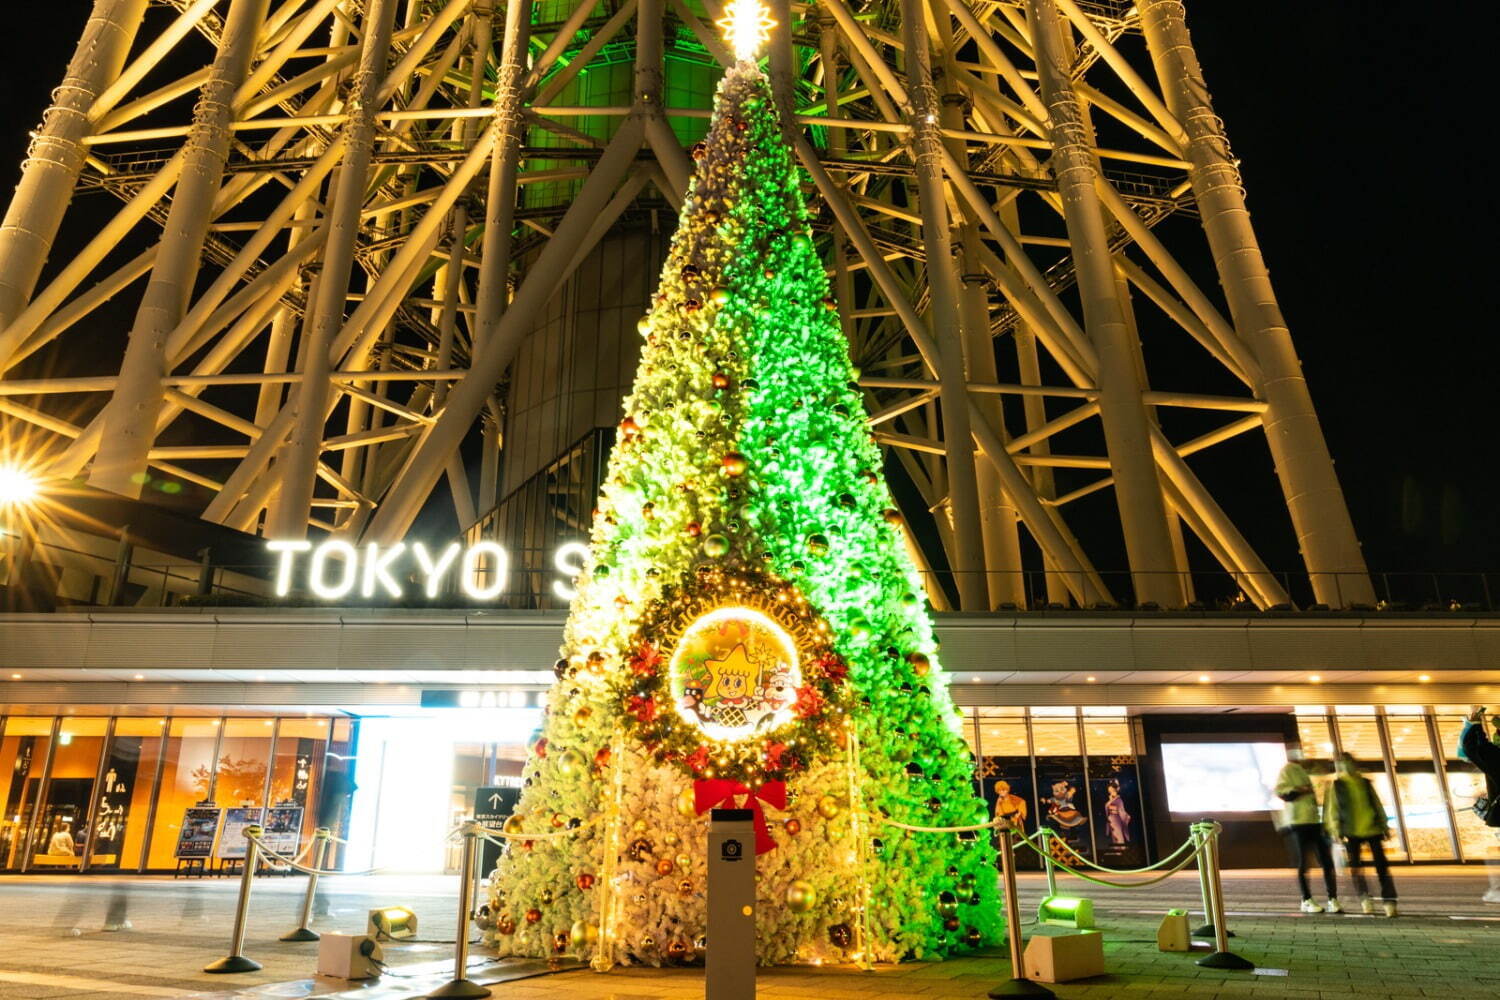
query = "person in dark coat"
{"x": 1477, "y": 747}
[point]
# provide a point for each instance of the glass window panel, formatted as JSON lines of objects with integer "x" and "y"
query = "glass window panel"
{"x": 187, "y": 776}
{"x": 58, "y": 839}
{"x": 1425, "y": 811}
{"x": 23, "y": 754}
{"x": 1002, "y": 738}
{"x": 1055, "y": 737}
{"x": 244, "y": 760}
{"x": 123, "y": 802}
{"x": 1360, "y": 738}
{"x": 1315, "y": 737}
{"x": 1409, "y": 740}
{"x": 1107, "y": 737}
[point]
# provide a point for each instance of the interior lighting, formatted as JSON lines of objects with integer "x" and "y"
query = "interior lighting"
{"x": 1091, "y": 679}
{"x": 1424, "y": 678}
{"x": 1315, "y": 678}
{"x": 1203, "y": 678}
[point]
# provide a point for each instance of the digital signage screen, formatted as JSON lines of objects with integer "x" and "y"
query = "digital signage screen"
{"x": 1204, "y": 779}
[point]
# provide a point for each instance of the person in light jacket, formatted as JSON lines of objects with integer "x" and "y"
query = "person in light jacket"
{"x": 1476, "y": 747}
{"x": 1352, "y": 811}
{"x": 1304, "y": 832}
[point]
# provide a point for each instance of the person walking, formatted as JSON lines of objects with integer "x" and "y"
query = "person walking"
{"x": 1304, "y": 832}
{"x": 1352, "y": 811}
{"x": 1476, "y": 747}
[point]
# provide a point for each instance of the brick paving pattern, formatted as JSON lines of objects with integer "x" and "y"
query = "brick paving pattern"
{"x": 1445, "y": 944}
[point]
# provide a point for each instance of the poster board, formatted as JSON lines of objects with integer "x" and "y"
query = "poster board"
{"x": 232, "y": 843}
{"x": 196, "y": 838}
{"x": 283, "y": 830}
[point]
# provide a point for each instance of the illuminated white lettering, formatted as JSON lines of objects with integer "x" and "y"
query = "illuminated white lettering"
{"x": 318, "y": 569}
{"x": 564, "y": 560}
{"x": 377, "y": 564}
{"x": 472, "y": 571}
{"x": 286, "y": 552}
{"x": 434, "y": 570}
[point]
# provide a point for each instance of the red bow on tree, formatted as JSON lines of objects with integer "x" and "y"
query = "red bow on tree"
{"x": 709, "y": 793}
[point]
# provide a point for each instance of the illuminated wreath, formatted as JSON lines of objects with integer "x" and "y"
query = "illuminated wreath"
{"x": 734, "y": 676}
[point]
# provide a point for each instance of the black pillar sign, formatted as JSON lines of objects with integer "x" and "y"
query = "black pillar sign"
{"x": 493, "y": 805}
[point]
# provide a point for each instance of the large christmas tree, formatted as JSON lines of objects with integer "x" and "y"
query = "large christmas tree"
{"x": 750, "y": 629}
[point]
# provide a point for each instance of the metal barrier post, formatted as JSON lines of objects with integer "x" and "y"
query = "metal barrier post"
{"x": 236, "y": 961}
{"x": 1222, "y": 957}
{"x": 1199, "y": 837}
{"x": 1045, "y": 833}
{"x": 460, "y": 985}
{"x": 1018, "y": 985}
{"x": 317, "y": 856}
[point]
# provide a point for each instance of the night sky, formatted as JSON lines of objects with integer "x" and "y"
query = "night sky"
{"x": 1361, "y": 137}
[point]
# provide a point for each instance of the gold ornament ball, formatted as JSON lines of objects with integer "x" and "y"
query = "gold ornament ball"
{"x": 546, "y": 897}
{"x": 513, "y": 823}
{"x": 684, "y": 862}
{"x": 581, "y": 715}
{"x": 570, "y": 763}
{"x": 648, "y": 943}
{"x": 639, "y": 826}
{"x": 801, "y": 896}
{"x": 677, "y": 950}
{"x": 506, "y": 924}
{"x": 685, "y": 887}
{"x": 584, "y": 934}
{"x": 685, "y": 804}
{"x": 669, "y": 838}
{"x": 828, "y": 807}
{"x": 558, "y": 821}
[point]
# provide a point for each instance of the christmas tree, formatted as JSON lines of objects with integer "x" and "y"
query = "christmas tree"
{"x": 749, "y": 631}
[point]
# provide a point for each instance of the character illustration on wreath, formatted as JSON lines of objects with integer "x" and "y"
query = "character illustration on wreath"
{"x": 735, "y": 674}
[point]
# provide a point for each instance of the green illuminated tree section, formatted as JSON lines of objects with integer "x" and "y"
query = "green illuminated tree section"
{"x": 750, "y": 628}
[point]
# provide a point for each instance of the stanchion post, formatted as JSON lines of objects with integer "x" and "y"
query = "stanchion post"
{"x": 1222, "y": 957}
{"x": 318, "y": 855}
{"x": 236, "y": 961}
{"x": 1045, "y": 835}
{"x": 1018, "y": 985}
{"x": 460, "y": 985}
{"x": 1199, "y": 838}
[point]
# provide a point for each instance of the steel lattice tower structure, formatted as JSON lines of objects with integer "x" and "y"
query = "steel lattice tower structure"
{"x": 333, "y": 221}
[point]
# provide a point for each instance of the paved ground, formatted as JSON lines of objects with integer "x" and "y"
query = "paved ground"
{"x": 1446, "y": 943}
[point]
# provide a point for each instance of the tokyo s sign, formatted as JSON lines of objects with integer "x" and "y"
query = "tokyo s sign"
{"x": 336, "y": 569}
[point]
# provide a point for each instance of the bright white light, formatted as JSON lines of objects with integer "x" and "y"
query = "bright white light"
{"x": 317, "y": 572}
{"x": 286, "y": 552}
{"x": 498, "y": 568}
{"x": 377, "y": 565}
{"x": 1207, "y": 778}
{"x": 569, "y": 560}
{"x": 747, "y": 26}
{"x": 434, "y": 570}
{"x": 17, "y": 486}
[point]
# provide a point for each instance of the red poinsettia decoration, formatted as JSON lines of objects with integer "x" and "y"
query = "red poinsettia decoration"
{"x": 809, "y": 702}
{"x": 643, "y": 707}
{"x": 698, "y": 759}
{"x": 645, "y": 660}
{"x": 773, "y": 755}
{"x": 833, "y": 667}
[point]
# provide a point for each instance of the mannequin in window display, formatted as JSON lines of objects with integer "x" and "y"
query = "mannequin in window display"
{"x": 1477, "y": 747}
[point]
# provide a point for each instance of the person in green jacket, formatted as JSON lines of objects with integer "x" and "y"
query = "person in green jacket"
{"x": 1352, "y": 811}
{"x": 1300, "y": 825}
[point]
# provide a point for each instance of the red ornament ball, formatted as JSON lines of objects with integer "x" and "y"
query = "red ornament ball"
{"x": 664, "y": 866}
{"x": 585, "y": 881}
{"x": 506, "y": 924}
{"x": 792, "y": 826}
{"x": 734, "y": 464}
{"x": 533, "y": 915}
